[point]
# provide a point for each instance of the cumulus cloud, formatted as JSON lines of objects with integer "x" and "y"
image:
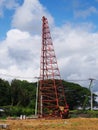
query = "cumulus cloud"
{"x": 76, "y": 47}
{"x": 20, "y": 53}
{"x": 76, "y": 51}
{"x": 28, "y": 16}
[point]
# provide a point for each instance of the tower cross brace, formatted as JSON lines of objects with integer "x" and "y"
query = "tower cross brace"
{"x": 51, "y": 95}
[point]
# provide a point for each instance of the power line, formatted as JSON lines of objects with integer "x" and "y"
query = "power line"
{"x": 77, "y": 80}
{"x": 82, "y": 79}
{"x": 22, "y": 77}
{"x": 14, "y": 76}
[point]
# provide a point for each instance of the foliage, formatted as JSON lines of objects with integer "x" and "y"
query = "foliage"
{"x": 4, "y": 93}
{"x": 19, "y": 96}
{"x": 17, "y": 111}
{"x": 84, "y": 113}
{"x": 22, "y": 93}
{"x": 76, "y": 95}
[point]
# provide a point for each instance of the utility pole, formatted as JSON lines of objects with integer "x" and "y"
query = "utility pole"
{"x": 90, "y": 88}
{"x": 36, "y": 103}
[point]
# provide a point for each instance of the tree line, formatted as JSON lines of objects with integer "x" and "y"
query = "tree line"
{"x": 20, "y": 96}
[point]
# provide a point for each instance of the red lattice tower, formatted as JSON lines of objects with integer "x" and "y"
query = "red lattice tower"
{"x": 51, "y": 91}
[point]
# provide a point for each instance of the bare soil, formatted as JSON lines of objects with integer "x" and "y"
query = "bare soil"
{"x": 55, "y": 124}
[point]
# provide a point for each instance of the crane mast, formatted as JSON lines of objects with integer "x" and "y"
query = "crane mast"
{"x": 51, "y": 97}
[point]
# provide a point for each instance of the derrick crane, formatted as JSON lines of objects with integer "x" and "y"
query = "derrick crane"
{"x": 51, "y": 96}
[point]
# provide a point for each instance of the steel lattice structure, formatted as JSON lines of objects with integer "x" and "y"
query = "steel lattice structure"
{"x": 51, "y": 91}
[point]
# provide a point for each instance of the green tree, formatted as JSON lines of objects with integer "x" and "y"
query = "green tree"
{"x": 4, "y": 93}
{"x": 22, "y": 93}
{"x": 76, "y": 95}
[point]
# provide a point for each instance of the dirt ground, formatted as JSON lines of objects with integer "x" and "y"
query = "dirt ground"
{"x": 55, "y": 124}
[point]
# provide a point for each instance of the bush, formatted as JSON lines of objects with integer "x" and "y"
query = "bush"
{"x": 17, "y": 111}
{"x": 93, "y": 113}
{"x": 84, "y": 113}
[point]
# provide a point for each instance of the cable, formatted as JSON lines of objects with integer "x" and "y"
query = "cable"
{"x": 8, "y": 75}
{"x": 14, "y": 76}
{"x": 78, "y": 80}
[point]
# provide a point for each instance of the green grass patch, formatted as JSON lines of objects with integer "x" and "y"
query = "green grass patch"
{"x": 84, "y": 113}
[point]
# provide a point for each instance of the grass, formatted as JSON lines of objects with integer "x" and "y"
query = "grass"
{"x": 56, "y": 124}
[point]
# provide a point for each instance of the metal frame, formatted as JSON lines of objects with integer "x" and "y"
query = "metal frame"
{"x": 51, "y": 91}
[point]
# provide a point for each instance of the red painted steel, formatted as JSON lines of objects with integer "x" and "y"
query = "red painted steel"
{"x": 51, "y": 91}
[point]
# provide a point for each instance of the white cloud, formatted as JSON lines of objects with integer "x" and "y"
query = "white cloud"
{"x": 7, "y": 4}
{"x": 20, "y": 54}
{"x": 28, "y": 16}
{"x": 77, "y": 52}
{"x": 85, "y": 13}
{"x": 76, "y": 47}
{"x": 11, "y": 4}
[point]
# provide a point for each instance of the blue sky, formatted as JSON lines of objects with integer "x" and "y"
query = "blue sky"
{"x": 74, "y": 29}
{"x": 73, "y": 11}
{"x": 63, "y": 11}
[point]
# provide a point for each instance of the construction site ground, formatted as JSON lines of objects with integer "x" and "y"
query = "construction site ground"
{"x": 53, "y": 124}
